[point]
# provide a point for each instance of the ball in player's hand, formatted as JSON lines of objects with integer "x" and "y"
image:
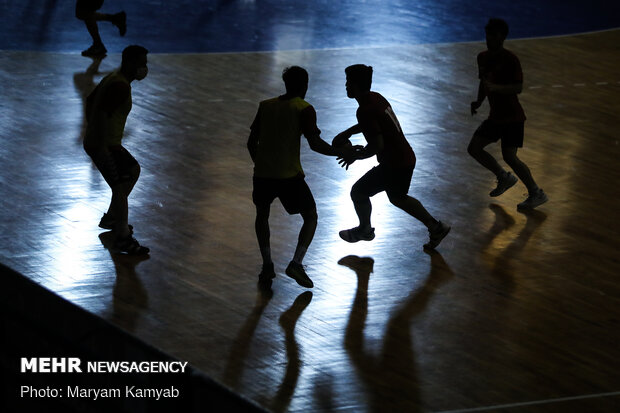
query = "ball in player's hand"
{"x": 342, "y": 144}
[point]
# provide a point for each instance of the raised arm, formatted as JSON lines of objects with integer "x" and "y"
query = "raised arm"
{"x": 313, "y": 134}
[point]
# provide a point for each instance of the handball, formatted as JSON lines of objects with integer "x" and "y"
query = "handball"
{"x": 340, "y": 144}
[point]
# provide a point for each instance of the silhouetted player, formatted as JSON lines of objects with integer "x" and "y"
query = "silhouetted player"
{"x": 501, "y": 80}
{"x": 86, "y": 10}
{"x": 274, "y": 146}
{"x": 385, "y": 139}
{"x": 107, "y": 108}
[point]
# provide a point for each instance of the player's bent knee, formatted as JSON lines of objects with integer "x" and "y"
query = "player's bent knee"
{"x": 357, "y": 195}
{"x": 473, "y": 148}
{"x": 310, "y": 216}
{"x": 398, "y": 200}
{"x": 510, "y": 156}
{"x": 122, "y": 188}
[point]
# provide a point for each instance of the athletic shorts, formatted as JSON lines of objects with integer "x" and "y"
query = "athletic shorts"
{"x": 115, "y": 165}
{"x": 511, "y": 133}
{"x": 83, "y": 8}
{"x": 394, "y": 181}
{"x": 294, "y": 193}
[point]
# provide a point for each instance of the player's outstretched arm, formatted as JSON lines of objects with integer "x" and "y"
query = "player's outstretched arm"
{"x": 342, "y": 137}
{"x": 317, "y": 144}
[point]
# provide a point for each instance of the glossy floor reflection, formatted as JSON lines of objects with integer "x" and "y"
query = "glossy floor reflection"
{"x": 513, "y": 308}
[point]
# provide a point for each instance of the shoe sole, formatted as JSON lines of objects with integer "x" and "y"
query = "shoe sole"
{"x": 429, "y": 246}
{"x": 355, "y": 240}
{"x": 530, "y": 207}
{"x": 111, "y": 227}
{"x": 512, "y": 183}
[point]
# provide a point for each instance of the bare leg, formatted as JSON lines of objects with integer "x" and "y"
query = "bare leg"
{"x": 263, "y": 234}
{"x": 414, "y": 208}
{"x": 104, "y": 17}
{"x": 520, "y": 168}
{"x": 363, "y": 207}
{"x": 119, "y": 207}
{"x": 306, "y": 234}
{"x": 93, "y": 30}
{"x": 476, "y": 150}
{"x": 118, "y": 19}
{"x": 127, "y": 187}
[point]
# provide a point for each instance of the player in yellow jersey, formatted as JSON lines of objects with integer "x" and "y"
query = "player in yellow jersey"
{"x": 274, "y": 146}
{"x": 107, "y": 108}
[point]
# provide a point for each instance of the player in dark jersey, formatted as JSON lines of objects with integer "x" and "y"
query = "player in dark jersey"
{"x": 501, "y": 80}
{"x": 274, "y": 145}
{"x": 87, "y": 11}
{"x": 385, "y": 139}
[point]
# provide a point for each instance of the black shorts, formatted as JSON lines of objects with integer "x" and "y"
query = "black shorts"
{"x": 84, "y": 8}
{"x": 115, "y": 165}
{"x": 294, "y": 193}
{"x": 394, "y": 181}
{"x": 511, "y": 133}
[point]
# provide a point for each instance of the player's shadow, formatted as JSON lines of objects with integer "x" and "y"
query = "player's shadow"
{"x": 390, "y": 377}
{"x": 84, "y": 83}
{"x": 502, "y": 264}
{"x": 241, "y": 345}
{"x": 288, "y": 321}
{"x": 130, "y": 298}
{"x": 323, "y": 391}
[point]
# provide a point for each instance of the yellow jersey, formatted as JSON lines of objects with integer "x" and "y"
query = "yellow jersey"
{"x": 280, "y": 123}
{"x": 112, "y": 96}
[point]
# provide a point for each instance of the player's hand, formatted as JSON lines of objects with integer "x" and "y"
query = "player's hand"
{"x": 349, "y": 156}
{"x": 345, "y": 162}
{"x": 474, "y": 106}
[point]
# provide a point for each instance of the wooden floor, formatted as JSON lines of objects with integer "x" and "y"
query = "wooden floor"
{"x": 514, "y": 312}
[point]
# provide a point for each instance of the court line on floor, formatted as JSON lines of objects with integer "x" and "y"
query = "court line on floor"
{"x": 532, "y": 403}
{"x": 574, "y": 84}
